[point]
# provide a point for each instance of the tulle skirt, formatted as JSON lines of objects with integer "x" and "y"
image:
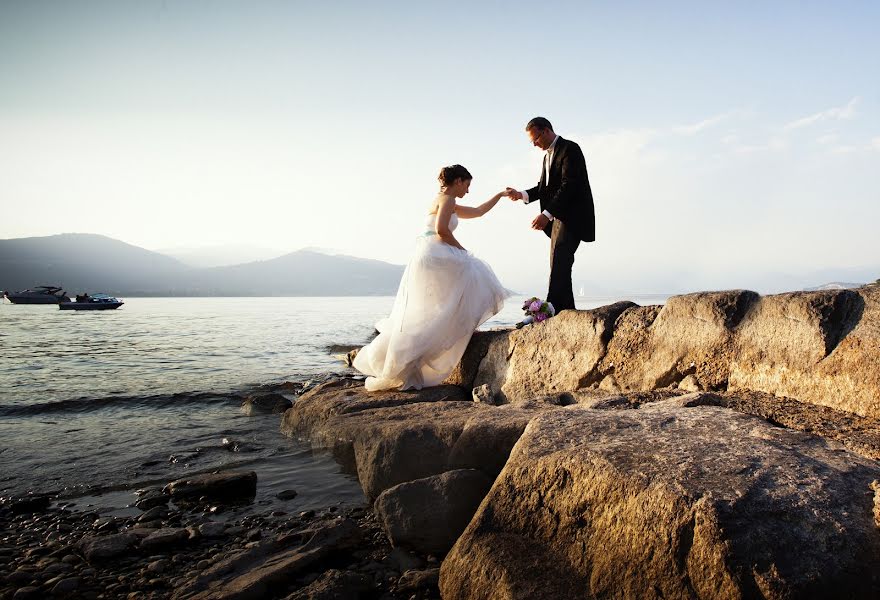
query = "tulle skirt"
{"x": 444, "y": 295}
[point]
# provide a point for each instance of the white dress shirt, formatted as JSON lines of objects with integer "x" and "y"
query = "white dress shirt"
{"x": 548, "y": 158}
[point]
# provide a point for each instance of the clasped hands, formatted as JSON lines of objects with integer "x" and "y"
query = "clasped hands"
{"x": 539, "y": 222}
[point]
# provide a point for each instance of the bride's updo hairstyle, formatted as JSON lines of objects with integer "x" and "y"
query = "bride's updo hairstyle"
{"x": 448, "y": 175}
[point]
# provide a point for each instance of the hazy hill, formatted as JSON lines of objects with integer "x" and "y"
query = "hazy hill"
{"x": 95, "y": 263}
{"x": 87, "y": 262}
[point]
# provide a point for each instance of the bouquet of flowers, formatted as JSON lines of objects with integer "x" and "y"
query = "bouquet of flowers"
{"x": 536, "y": 311}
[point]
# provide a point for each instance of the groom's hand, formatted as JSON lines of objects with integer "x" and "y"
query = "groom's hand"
{"x": 514, "y": 194}
{"x": 540, "y": 222}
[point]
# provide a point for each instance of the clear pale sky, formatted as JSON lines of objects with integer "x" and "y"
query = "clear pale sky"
{"x": 727, "y": 146}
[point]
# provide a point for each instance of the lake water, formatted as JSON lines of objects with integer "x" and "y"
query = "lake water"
{"x": 116, "y": 400}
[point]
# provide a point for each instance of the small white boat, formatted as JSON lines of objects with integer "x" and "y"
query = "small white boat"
{"x": 96, "y": 302}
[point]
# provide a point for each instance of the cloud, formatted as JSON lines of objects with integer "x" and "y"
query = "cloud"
{"x": 837, "y": 113}
{"x": 699, "y": 126}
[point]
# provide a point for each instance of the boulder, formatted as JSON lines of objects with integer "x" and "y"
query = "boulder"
{"x": 670, "y": 502}
{"x": 427, "y": 515}
{"x": 558, "y": 355}
{"x": 488, "y": 437}
{"x": 225, "y": 485}
{"x": 819, "y": 347}
{"x": 465, "y": 372}
{"x": 385, "y": 438}
{"x": 345, "y": 396}
{"x": 98, "y": 548}
{"x": 265, "y": 404}
{"x": 691, "y": 335}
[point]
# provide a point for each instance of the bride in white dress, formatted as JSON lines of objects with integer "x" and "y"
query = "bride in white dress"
{"x": 445, "y": 294}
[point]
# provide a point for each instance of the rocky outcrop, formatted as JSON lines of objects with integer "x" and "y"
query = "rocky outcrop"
{"x": 818, "y": 347}
{"x": 668, "y": 501}
{"x": 429, "y": 514}
{"x": 386, "y": 438}
{"x": 665, "y": 451}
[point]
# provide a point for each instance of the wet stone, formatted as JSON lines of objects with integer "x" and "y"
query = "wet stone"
{"x": 66, "y": 586}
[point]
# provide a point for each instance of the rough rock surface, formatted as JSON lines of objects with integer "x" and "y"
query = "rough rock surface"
{"x": 429, "y": 514}
{"x": 819, "y": 347}
{"x": 692, "y": 335}
{"x": 558, "y": 355}
{"x": 668, "y": 501}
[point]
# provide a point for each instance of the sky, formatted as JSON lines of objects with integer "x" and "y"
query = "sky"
{"x": 729, "y": 145}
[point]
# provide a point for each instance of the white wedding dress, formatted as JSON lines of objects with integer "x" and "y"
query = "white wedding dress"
{"x": 444, "y": 295}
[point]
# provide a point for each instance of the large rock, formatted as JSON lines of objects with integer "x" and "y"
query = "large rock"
{"x": 488, "y": 437}
{"x": 226, "y": 485}
{"x": 859, "y": 434}
{"x": 385, "y": 438}
{"x": 692, "y": 335}
{"x": 819, "y": 347}
{"x": 465, "y": 372}
{"x": 427, "y": 515}
{"x": 670, "y": 502}
{"x": 337, "y": 397}
{"x": 558, "y": 355}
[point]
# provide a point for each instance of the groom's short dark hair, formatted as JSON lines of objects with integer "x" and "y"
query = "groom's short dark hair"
{"x": 540, "y": 123}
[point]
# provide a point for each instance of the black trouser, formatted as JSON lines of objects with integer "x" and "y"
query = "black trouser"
{"x": 563, "y": 244}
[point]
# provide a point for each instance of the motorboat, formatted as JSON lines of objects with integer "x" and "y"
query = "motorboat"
{"x": 96, "y": 302}
{"x": 43, "y": 294}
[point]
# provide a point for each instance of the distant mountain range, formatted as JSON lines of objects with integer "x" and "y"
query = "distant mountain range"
{"x": 94, "y": 263}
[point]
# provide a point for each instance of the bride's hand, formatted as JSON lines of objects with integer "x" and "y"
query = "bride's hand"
{"x": 513, "y": 194}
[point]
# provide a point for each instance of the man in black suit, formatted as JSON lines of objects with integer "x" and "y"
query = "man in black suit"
{"x": 567, "y": 215}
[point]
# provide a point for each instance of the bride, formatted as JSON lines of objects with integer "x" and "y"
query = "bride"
{"x": 444, "y": 295}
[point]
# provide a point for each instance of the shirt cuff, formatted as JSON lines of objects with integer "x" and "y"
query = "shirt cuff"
{"x": 525, "y": 197}
{"x": 548, "y": 215}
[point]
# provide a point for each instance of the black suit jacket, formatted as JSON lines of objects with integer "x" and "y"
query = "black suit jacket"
{"x": 568, "y": 197}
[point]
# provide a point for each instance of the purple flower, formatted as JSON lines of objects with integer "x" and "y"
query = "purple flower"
{"x": 535, "y": 306}
{"x": 540, "y": 317}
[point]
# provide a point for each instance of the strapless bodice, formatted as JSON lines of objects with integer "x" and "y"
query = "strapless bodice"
{"x": 431, "y": 223}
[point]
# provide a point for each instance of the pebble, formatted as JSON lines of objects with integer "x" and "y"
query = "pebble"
{"x": 158, "y": 567}
{"x": 66, "y": 586}
{"x": 286, "y": 495}
{"x": 26, "y": 593}
{"x": 154, "y": 514}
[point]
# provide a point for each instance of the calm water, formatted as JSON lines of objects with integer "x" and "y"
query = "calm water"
{"x": 121, "y": 399}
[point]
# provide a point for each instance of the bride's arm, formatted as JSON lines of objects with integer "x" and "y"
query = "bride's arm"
{"x": 444, "y": 212}
{"x": 472, "y": 212}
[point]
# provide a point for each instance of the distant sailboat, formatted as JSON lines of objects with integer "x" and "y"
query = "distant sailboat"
{"x": 581, "y": 291}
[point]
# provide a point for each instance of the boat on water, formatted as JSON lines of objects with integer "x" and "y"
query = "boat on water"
{"x": 96, "y": 302}
{"x": 42, "y": 294}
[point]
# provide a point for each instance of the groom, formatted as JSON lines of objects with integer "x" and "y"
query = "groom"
{"x": 566, "y": 202}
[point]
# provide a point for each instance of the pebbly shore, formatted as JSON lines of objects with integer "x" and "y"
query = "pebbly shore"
{"x": 190, "y": 550}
